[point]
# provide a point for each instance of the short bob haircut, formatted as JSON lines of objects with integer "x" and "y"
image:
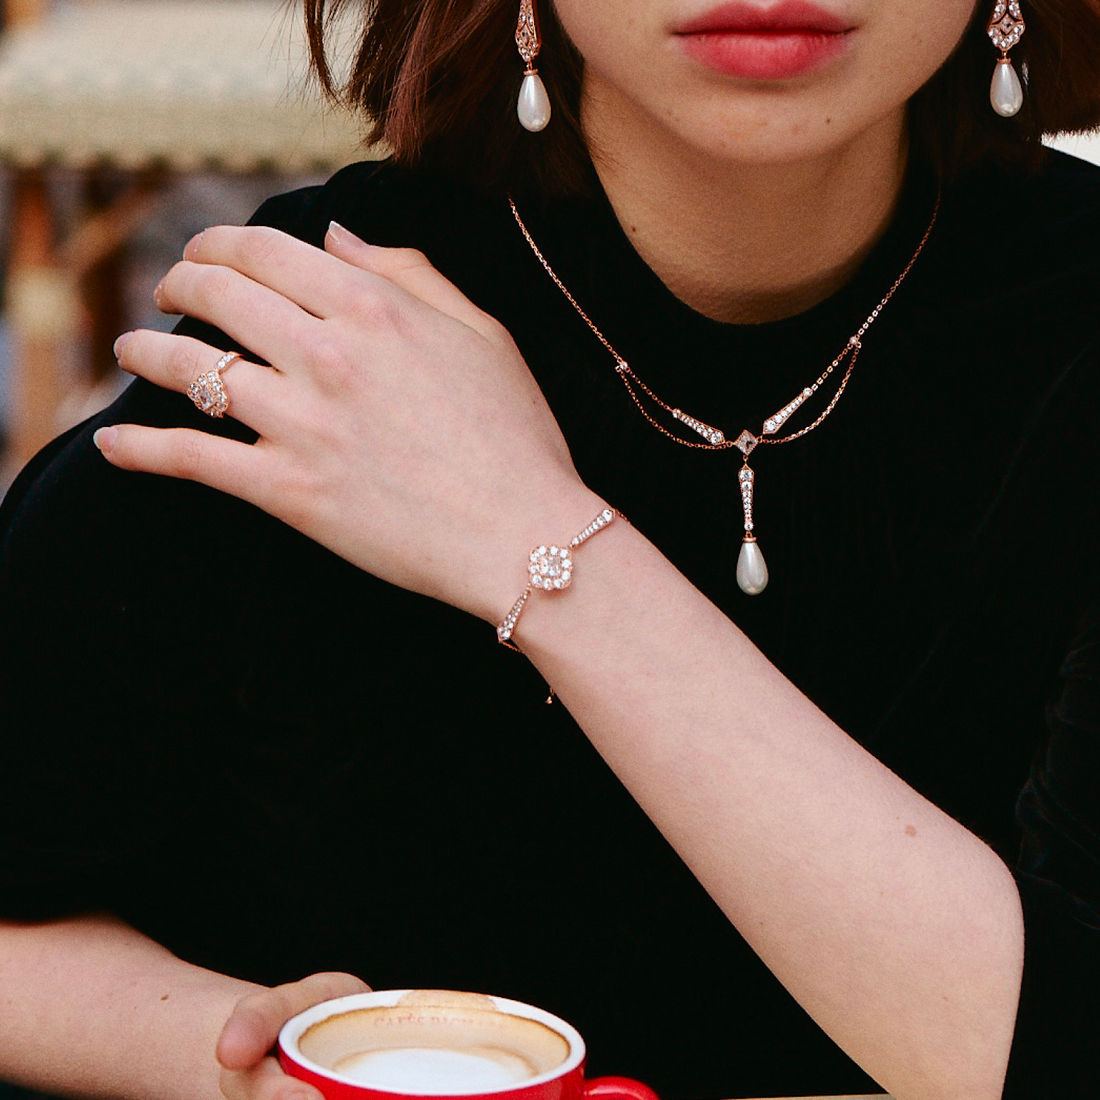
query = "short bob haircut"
{"x": 438, "y": 80}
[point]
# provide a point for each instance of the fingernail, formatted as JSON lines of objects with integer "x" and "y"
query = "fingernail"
{"x": 339, "y": 235}
{"x": 192, "y": 246}
{"x": 104, "y": 439}
{"x": 158, "y": 292}
{"x": 120, "y": 344}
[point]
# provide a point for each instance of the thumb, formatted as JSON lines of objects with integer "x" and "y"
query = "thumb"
{"x": 252, "y": 1029}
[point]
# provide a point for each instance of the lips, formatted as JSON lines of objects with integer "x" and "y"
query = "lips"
{"x": 774, "y": 43}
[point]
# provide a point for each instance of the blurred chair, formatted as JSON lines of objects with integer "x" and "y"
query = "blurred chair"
{"x": 129, "y": 94}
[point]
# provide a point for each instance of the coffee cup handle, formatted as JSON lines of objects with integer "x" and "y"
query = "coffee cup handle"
{"x": 617, "y": 1088}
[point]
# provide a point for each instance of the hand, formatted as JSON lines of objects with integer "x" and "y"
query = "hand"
{"x": 249, "y": 1071}
{"x": 398, "y": 425}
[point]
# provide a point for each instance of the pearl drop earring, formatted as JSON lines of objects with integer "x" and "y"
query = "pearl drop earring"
{"x": 1006, "y": 27}
{"x": 533, "y": 106}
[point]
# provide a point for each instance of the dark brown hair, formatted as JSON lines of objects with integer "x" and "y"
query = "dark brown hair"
{"x": 438, "y": 80}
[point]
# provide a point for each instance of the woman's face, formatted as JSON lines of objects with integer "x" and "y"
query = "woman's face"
{"x": 758, "y": 81}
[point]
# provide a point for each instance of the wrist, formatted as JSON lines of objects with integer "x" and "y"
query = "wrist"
{"x": 548, "y": 524}
{"x": 550, "y": 571}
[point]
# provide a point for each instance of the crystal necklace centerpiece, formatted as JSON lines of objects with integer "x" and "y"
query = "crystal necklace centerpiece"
{"x": 752, "y": 571}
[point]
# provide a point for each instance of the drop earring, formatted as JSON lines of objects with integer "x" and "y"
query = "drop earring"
{"x": 1006, "y": 28}
{"x": 533, "y": 105}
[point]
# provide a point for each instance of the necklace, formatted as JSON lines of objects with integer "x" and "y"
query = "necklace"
{"x": 752, "y": 571}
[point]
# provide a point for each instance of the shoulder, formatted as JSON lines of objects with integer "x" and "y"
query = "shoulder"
{"x": 1067, "y": 186}
{"x": 1030, "y": 236}
{"x": 1012, "y": 285}
{"x": 384, "y": 202}
{"x": 464, "y": 232}
{"x": 1052, "y": 221}
{"x": 1047, "y": 273}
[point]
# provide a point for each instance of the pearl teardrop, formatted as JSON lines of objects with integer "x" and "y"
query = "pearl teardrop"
{"x": 1006, "y": 94}
{"x": 752, "y": 572}
{"x": 533, "y": 106}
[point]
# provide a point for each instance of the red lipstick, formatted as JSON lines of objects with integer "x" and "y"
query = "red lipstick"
{"x": 775, "y": 43}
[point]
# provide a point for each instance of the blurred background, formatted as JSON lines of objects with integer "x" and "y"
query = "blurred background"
{"x": 126, "y": 126}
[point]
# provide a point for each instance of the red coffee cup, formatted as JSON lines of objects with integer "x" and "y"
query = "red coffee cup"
{"x": 397, "y": 1044}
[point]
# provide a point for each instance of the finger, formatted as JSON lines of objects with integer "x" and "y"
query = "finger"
{"x": 253, "y": 314}
{"x": 306, "y": 275}
{"x": 265, "y": 1081}
{"x": 412, "y": 272}
{"x": 224, "y": 464}
{"x": 321, "y": 284}
{"x": 256, "y": 1021}
{"x": 174, "y": 362}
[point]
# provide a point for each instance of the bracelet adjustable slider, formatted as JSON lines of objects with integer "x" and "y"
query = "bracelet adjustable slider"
{"x": 549, "y": 569}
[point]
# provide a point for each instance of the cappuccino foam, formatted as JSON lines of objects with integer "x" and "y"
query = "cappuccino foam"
{"x": 425, "y": 1070}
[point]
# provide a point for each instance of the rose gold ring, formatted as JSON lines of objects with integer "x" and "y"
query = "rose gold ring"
{"x": 208, "y": 391}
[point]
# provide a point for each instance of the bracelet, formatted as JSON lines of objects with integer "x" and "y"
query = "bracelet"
{"x": 550, "y": 569}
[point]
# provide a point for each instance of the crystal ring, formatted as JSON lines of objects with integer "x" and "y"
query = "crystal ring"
{"x": 208, "y": 391}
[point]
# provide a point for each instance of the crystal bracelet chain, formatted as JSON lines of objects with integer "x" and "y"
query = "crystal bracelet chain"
{"x": 550, "y": 569}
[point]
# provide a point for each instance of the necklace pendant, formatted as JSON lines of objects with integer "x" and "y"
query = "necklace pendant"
{"x": 774, "y": 423}
{"x": 752, "y": 570}
{"x": 745, "y": 479}
{"x": 711, "y": 435}
{"x": 746, "y": 443}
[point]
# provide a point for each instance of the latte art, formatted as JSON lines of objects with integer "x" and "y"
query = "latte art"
{"x": 429, "y": 1049}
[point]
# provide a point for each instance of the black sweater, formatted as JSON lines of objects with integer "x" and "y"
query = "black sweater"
{"x": 275, "y": 764}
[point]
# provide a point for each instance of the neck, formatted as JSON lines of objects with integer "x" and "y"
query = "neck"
{"x": 741, "y": 242}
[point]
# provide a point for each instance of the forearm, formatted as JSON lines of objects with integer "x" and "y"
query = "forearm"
{"x": 90, "y": 1007}
{"x": 894, "y": 926}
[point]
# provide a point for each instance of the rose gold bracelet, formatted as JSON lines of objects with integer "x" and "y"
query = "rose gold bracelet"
{"x": 550, "y": 569}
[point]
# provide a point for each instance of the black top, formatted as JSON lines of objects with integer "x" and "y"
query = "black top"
{"x": 275, "y": 764}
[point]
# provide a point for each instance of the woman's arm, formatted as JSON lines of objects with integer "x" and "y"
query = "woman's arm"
{"x": 896, "y": 928}
{"x": 91, "y": 1007}
{"x": 400, "y": 428}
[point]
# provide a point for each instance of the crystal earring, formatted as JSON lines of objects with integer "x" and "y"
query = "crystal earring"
{"x": 1006, "y": 27}
{"x": 533, "y": 106}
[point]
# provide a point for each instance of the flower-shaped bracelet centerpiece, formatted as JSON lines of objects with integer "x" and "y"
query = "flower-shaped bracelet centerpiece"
{"x": 550, "y": 569}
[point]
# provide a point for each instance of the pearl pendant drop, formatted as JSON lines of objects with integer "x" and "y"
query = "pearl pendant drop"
{"x": 1006, "y": 94}
{"x": 752, "y": 572}
{"x": 533, "y": 105}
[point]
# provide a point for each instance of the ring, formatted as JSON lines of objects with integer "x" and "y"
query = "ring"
{"x": 208, "y": 391}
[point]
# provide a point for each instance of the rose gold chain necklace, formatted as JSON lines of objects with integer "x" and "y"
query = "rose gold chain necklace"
{"x": 752, "y": 572}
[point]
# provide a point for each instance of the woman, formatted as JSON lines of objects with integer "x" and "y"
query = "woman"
{"x": 815, "y": 672}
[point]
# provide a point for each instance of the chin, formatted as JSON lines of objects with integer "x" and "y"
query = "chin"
{"x": 785, "y": 134}
{"x": 701, "y": 118}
